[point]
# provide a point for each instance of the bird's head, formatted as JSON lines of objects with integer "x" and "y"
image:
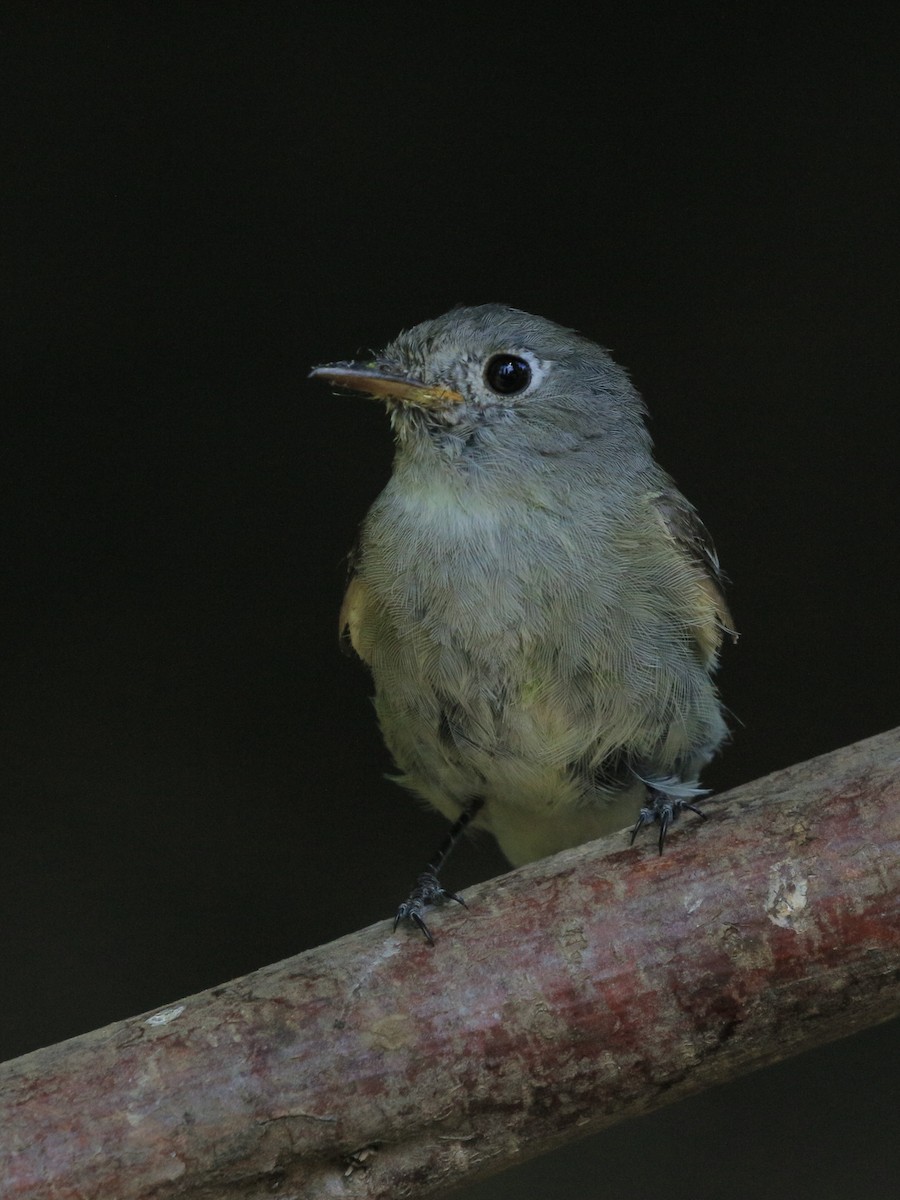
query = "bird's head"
{"x": 489, "y": 379}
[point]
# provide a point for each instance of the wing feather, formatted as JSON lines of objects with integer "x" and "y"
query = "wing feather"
{"x": 691, "y": 537}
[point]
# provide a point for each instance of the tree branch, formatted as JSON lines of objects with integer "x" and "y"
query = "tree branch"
{"x": 575, "y": 992}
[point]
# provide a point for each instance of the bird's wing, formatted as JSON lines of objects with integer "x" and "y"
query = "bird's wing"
{"x": 353, "y": 609}
{"x": 691, "y": 537}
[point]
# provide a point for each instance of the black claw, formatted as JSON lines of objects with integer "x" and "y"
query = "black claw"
{"x": 417, "y": 920}
{"x": 409, "y": 911}
{"x": 664, "y": 822}
{"x": 426, "y": 893}
{"x": 640, "y": 823}
{"x": 428, "y": 890}
{"x": 665, "y": 810}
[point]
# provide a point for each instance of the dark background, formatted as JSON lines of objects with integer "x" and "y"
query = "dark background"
{"x": 206, "y": 199}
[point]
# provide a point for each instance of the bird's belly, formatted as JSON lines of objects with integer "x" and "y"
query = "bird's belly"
{"x": 526, "y": 742}
{"x": 562, "y": 821}
{"x": 524, "y": 698}
{"x": 538, "y": 795}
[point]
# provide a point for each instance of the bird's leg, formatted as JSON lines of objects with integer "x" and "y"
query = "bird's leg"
{"x": 662, "y": 807}
{"x": 428, "y": 890}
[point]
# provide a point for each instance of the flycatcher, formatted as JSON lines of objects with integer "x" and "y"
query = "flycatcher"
{"x": 540, "y": 607}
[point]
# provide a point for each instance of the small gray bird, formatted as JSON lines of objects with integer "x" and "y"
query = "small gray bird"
{"x": 540, "y": 607}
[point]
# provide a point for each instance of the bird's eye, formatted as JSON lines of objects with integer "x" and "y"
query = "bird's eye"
{"x": 507, "y": 374}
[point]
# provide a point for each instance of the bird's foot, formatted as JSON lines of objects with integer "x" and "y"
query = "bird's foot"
{"x": 426, "y": 893}
{"x": 665, "y": 809}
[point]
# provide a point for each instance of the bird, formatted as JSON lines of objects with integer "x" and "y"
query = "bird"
{"x": 539, "y": 606}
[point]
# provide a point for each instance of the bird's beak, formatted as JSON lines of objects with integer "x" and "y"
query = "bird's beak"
{"x": 386, "y": 382}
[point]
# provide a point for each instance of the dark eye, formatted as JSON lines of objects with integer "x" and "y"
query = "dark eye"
{"x": 507, "y": 374}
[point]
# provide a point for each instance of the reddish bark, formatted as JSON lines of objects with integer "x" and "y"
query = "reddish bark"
{"x": 577, "y": 991}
